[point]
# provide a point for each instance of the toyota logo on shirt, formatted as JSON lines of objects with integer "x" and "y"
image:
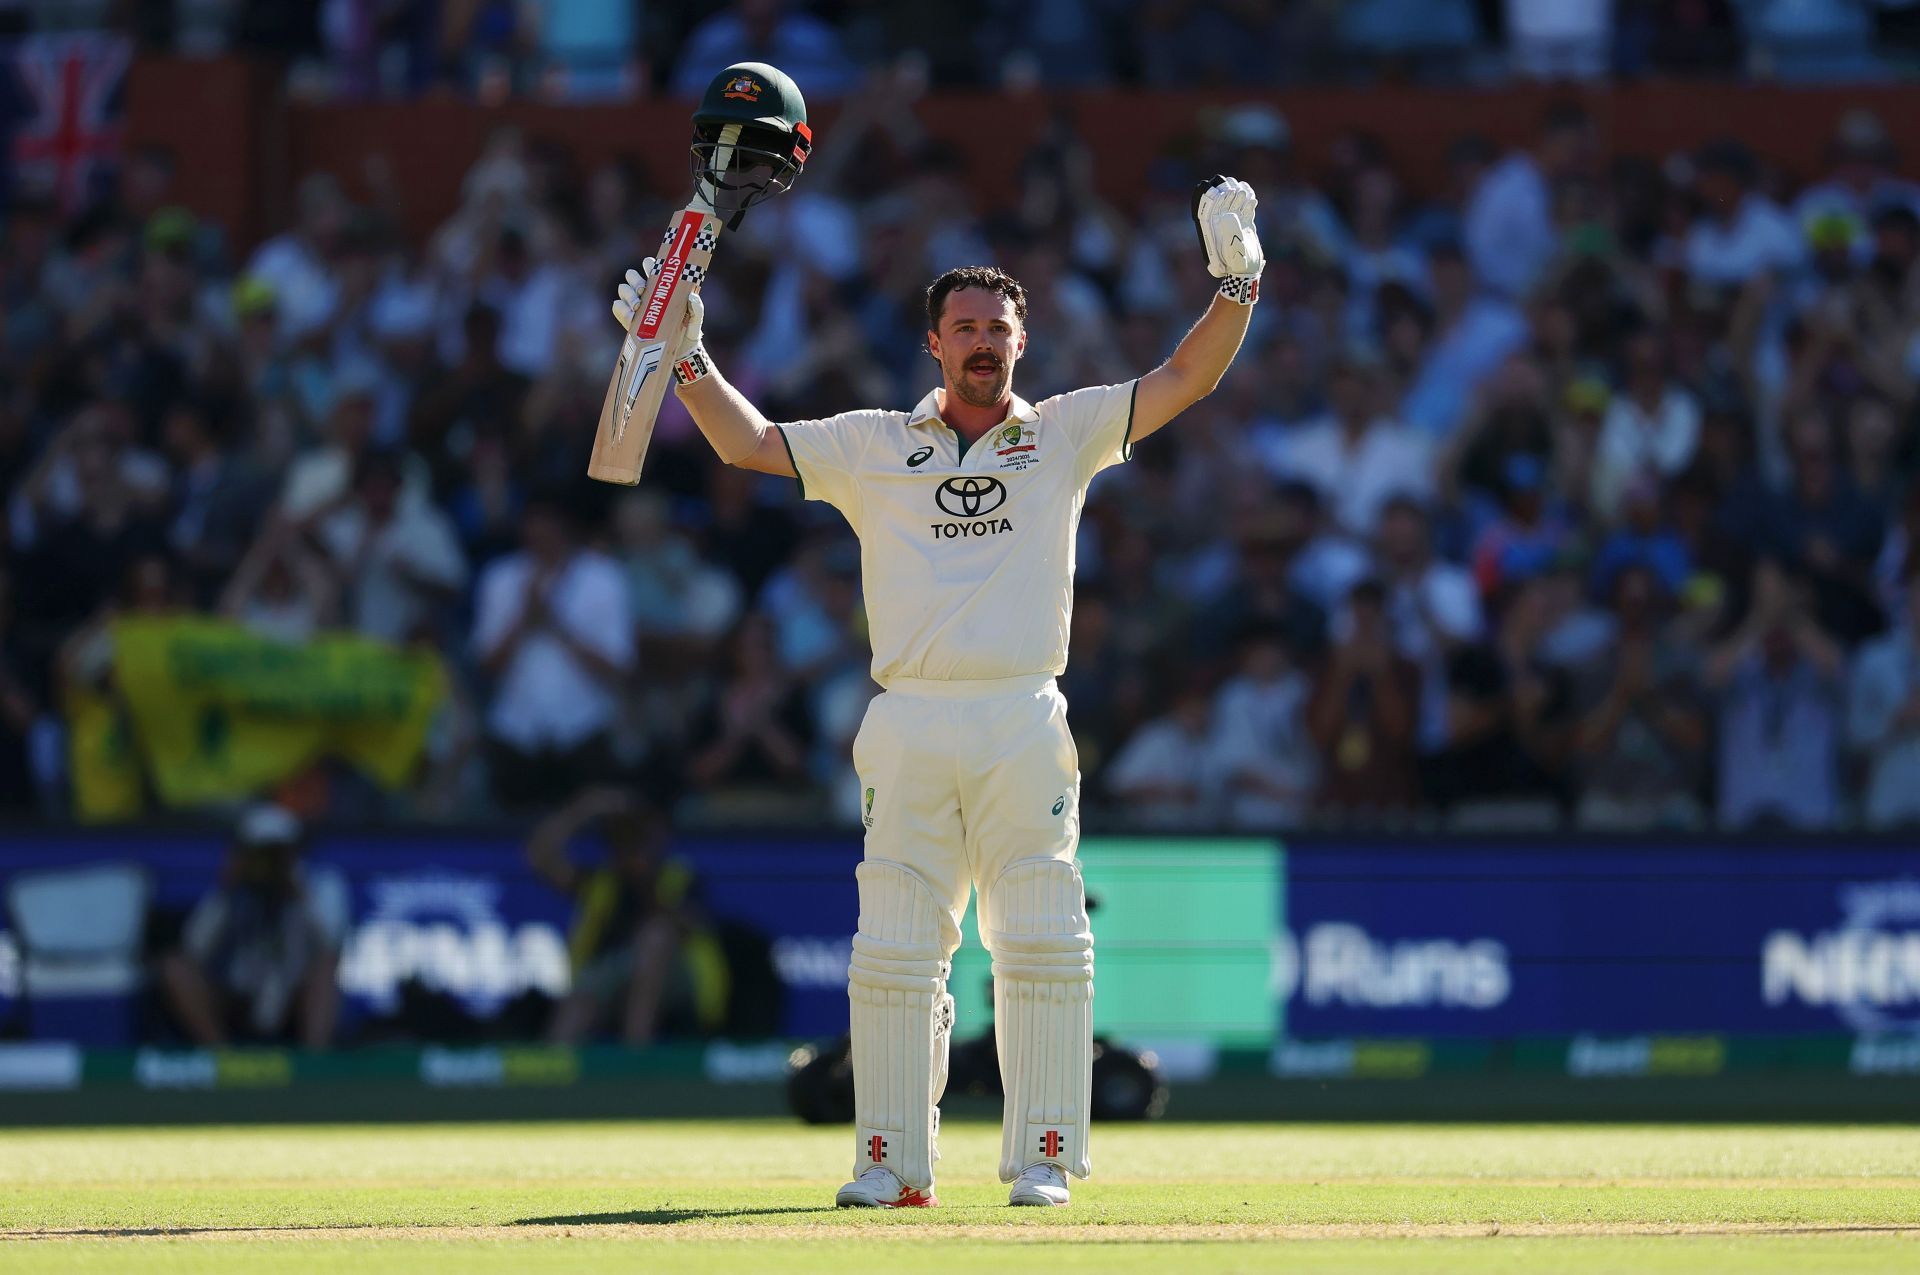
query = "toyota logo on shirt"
{"x": 970, "y": 497}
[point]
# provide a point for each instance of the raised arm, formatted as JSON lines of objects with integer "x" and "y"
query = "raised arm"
{"x": 547, "y": 846}
{"x": 1195, "y": 368}
{"x": 1223, "y": 213}
{"x": 734, "y": 428}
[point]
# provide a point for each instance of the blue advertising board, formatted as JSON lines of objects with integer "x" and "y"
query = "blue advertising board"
{"x": 464, "y": 914}
{"x": 1464, "y": 938}
{"x": 1430, "y": 938}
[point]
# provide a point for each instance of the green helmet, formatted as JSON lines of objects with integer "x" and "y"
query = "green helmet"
{"x": 772, "y": 145}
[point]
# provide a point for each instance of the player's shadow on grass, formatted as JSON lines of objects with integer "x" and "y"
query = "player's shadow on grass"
{"x": 661, "y": 1217}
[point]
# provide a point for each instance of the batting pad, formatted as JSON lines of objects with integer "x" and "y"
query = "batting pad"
{"x": 901, "y": 1016}
{"x": 1035, "y": 919}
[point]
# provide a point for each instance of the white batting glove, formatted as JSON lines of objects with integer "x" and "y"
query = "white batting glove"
{"x": 1223, "y": 213}
{"x": 685, "y": 353}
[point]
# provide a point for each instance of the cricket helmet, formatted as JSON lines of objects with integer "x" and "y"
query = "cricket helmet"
{"x": 750, "y": 137}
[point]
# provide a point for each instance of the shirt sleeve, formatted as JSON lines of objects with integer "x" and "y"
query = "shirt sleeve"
{"x": 1098, "y": 422}
{"x": 826, "y": 456}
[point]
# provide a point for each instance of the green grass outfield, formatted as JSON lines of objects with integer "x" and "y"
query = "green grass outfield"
{"x": 748, "y": 1196}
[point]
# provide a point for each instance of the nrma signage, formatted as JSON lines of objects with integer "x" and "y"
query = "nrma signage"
{"x": 1865, "y": 968}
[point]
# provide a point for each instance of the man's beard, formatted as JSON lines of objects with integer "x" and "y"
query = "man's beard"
{"x": 974, "y": 394}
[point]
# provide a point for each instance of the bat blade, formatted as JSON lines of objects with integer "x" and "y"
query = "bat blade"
{"x": 641, "y": 374}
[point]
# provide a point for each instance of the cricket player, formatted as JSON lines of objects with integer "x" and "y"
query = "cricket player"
{"x": 966, "y": 508}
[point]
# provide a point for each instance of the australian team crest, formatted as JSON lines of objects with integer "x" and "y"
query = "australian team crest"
{"x": 1016, "y": 445}
{"x": 743, "y": 88}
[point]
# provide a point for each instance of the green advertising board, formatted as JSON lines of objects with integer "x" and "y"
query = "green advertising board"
{"x": 1183, "y": 942}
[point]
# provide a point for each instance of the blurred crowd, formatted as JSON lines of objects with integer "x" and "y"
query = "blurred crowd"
{"x": 1575, "y": 493}
{"x": 584, "y": 49}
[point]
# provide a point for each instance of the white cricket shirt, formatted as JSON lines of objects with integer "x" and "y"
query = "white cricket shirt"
{"x": 966, "y": 561}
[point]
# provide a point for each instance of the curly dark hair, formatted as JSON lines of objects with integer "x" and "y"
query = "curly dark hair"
{"x": 986, "y": 278}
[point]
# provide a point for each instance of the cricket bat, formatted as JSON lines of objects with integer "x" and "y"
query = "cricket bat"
{"x": 640, "y": 380}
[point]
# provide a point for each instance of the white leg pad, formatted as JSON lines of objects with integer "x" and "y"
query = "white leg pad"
{"x": 1042, "y": 945}
{"x": 901, "y": 1018}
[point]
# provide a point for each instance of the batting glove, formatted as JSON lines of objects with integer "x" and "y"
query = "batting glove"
{"x": 687, "y": 355}
{"x": 1223, "y": 213}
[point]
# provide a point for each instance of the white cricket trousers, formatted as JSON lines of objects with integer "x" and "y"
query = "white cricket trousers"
{"x": 967, "y": 778}
{"x": 970, "y": 786}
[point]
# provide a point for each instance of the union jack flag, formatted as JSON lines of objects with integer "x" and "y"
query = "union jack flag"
{"x": 70, "y": 91}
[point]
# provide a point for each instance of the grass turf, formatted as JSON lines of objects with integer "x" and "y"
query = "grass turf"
{"x": 748, "y": 1196}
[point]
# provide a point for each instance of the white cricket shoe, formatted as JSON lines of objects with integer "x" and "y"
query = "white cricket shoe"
{"x": 881, "y": 1188}
{"x": 1040, "y": 1184}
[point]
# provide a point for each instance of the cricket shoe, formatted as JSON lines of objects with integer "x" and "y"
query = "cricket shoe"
{"x": 1040, "y": 1184}
{"x": 881, "y": 1188}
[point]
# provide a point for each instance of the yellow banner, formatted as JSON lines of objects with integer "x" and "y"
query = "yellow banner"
{"x": 108, "y": 781}
{"x": 219, "y": 713}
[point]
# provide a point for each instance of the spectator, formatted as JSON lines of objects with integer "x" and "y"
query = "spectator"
{"x": 86, "y": 512}
{"x": 1432, "y": 605}
{"x": 476, "y": 395}
{"x": 397, "y": 562}
{"x": 678, "y": 598}
{"x": 1529, "y": 536}
{"x": 1883, "y": 720}
{"x": 1827, "y": 531}
{"x": 284, "y": 589}
{"x": 1510, "y": 235}
{"x": 1473, "y": 333}
{"x": 644, "y": 958}
{"x": 1500, "y": 755}
{"x": 322, "y": 476}
{"x": 219, "y": 498}
{"x": 1643, "y": 539}
{"x": 1508, "y": 417}
{"x": 1354, "y": 457}
{"x": 764, "y": 31}
{"x": 297, "y": 265}
{"x": 1560, "y": 39}
{"x": 1777, "y": 677}
{"x": 1261, "y": 753}
{"x": 1640, "y": 738}
{"x": 1740, "y": 233}
{"x": 487, "y": 503}
{"x": 1162, "y": 777}
{"x": 1861, "y": 180}
{"x": 551, "y": 629}
{"x": 256, "y": 957}
{"x": 1651, "y": 428}
{"x": 1364, "y": 715}
{"x": 755, "y": 730}
{"x": 587, "y": 49}
{"x": 1873, "y": 435}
